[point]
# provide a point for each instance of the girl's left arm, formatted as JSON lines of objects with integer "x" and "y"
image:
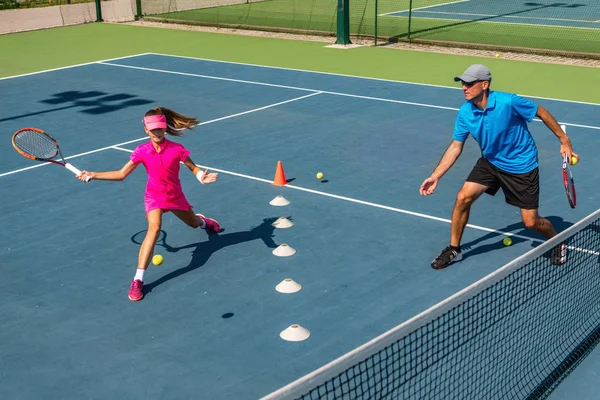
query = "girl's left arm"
{"x": 203, "y": 176}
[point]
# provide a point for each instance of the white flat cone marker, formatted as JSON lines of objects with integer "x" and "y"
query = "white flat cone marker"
{"x": 294, "y": 333}
{"x": 288, "y": 286}
{"x": 279, "y": 201}
{"x": 284, "y": 250}
{"x": 282, "y": 222}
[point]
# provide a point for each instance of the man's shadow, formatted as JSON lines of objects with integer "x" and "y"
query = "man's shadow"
{"x": 203, "y": 250}
{"x": 471, "y": 249}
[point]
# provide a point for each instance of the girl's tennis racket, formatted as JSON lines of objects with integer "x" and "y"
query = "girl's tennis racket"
{"x": 36, "y": 144}
{"x": 569, "y": 183}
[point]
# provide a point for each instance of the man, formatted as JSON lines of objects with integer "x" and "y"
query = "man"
{"x": 498, "y": 122}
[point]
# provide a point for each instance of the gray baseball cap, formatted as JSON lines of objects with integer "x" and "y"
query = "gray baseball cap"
{"x": 476, "y": 72}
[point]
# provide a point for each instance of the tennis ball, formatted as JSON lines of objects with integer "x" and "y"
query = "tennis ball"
{"x": 157, "y": 260}
{"x": 574, "y": 160}
{"x": 497, "y": 55}
{"x": 507, "y": 241}
{"x": 319, "y": 175}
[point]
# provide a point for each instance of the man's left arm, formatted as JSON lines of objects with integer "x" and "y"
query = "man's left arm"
{"x": 553, "y": 125}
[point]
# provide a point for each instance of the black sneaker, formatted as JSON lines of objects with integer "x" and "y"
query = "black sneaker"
{"x": 559, "y": 254}
{"x": 446, "y": 257}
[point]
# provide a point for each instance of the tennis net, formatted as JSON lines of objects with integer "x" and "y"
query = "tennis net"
{"x": 512, "y": 335}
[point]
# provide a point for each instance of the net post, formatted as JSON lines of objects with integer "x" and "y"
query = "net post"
{"x": 98, "y": 11}
{"x": 343, "y": 22}
{"x": 138, "y": 11}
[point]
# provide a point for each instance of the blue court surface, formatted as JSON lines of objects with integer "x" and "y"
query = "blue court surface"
{"x": 578, "y": 14}
{"x": 209, "y": 325}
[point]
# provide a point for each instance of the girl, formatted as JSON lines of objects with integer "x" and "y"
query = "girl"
{"x": 161, "y": 158}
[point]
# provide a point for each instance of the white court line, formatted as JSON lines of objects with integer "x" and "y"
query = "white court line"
{"x": 146, "y": 137}
{"x": 504, "y": 16}
{"x": 487, "y": 21}
{"x": 74, "y": 66}
{"x": 411, "y": 103}
{"x": 116, "y": 147}
{"x": 217, "y": 78}
{"x": 422, "y": 8}
{"x": 371, "y": 204}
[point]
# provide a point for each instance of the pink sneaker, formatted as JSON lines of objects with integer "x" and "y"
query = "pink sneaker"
{"x": 136, "y": 291}
{"x": 211, "y": 224}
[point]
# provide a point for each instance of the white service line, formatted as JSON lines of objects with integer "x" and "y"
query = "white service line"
{"x": 313, "y": 90}
{"x": 146, "y": 137}
{"x": 217, "y": 78}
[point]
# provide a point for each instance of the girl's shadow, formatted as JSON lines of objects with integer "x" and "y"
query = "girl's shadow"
{"x": 203, "y": 250}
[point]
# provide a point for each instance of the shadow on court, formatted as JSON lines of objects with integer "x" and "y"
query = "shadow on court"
{"x": 203, "y": 250}
{"x": 91, "y": 102}
{"x": 472, "y": 248}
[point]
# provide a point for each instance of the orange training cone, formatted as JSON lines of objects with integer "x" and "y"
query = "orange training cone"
{"x": 279, "y": 175}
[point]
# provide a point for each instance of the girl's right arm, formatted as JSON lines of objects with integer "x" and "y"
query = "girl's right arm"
{"x": 110, "y": 175}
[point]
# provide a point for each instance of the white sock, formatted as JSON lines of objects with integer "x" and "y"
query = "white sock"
{"x": 139, "y": 274}
{"x": 203, "y": 224}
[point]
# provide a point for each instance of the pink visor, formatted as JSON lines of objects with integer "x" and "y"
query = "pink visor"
{"x": 155, "y": 122}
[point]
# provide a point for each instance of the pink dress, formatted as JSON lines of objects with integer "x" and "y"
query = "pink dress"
{"x": 164, "y": 188}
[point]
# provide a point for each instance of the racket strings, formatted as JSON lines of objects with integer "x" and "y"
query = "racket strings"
{"x": 36, "y": 144}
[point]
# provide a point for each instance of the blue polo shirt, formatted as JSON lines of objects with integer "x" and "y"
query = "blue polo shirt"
{"x": 501, "y": 131}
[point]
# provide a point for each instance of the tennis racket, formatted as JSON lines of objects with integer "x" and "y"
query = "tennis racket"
{"x": 568, "y": 181}
{"x": 568, "y": 178}
{"x": 37, "y": 145}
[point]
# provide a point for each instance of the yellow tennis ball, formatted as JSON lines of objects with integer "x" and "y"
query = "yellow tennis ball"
{"x": 320, "y": 175}
{"x": 157, "y": 259}
{"x": 574, "y": 160}
{"x": 507, "y": 241}
{"x": 497, "y": 55}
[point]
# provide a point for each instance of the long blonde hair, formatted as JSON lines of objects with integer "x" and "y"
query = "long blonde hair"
{"x": 176, "y": 123}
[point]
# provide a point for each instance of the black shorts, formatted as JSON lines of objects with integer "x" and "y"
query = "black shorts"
{"x": 520, "y": 190}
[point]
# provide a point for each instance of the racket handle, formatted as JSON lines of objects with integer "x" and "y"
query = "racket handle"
{"x": 74, "y": 170}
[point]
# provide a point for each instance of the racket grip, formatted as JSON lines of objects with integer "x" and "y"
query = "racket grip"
{"x": 74, "y": 170}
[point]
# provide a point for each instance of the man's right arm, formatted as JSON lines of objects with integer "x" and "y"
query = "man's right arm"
{"x": 448, "y": 159}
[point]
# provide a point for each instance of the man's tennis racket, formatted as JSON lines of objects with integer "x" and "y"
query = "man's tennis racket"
{"x": 36, "y": 144}
{"x": 568, "y": 177}
{"x": 569, "y": 183}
